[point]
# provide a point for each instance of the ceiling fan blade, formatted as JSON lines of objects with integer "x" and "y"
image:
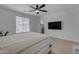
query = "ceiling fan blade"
{"x": 42, "y": 6}
{"x": 32, "y": 7}
{"x": 29, "y": 11}
{"x": 43, "y": 10}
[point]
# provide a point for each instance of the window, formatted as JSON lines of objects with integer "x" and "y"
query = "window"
{"x": 22, "y": 24}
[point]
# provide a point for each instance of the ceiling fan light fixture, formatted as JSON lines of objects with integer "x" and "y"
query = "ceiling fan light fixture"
{"x": 37, "y": 11}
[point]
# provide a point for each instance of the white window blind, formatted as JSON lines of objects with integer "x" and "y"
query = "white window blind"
{"x": 22, "y": 24}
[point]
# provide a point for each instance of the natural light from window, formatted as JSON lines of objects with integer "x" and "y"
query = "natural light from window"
{"x": 22, "y": 24}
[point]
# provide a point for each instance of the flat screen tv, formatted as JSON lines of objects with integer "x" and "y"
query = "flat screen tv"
{"x": 54, "y": 25}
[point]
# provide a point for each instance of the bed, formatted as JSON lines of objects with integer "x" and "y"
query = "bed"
{"x": 25, "y": 43}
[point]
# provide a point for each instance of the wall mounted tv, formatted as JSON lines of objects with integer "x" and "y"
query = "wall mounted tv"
{"x": 56, "y": 25}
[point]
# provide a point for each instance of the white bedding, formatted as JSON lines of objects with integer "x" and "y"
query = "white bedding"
{"x": 18, "y": 42}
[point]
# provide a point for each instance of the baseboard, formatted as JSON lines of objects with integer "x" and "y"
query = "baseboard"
{"x": 67, "y": 39}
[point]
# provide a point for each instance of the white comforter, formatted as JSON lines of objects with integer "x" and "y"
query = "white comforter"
{"x": 15, "y": 43}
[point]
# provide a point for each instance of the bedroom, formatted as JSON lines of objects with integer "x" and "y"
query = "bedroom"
{"x": 64, "y": 40}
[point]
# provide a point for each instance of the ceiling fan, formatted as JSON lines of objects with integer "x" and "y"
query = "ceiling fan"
{"x": 38, "y": 8}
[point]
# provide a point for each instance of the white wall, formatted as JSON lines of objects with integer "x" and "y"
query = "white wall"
{"x": 70, "y": 24}
{"x": 7, "y": 21}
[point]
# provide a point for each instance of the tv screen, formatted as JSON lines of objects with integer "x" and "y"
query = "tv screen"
{"x": 54, "y": 25}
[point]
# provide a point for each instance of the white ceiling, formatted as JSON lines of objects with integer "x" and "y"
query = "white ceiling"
{"x": 51, "y": 8}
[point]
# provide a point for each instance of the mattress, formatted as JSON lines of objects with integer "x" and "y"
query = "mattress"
{"x": 24, "y": 43}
